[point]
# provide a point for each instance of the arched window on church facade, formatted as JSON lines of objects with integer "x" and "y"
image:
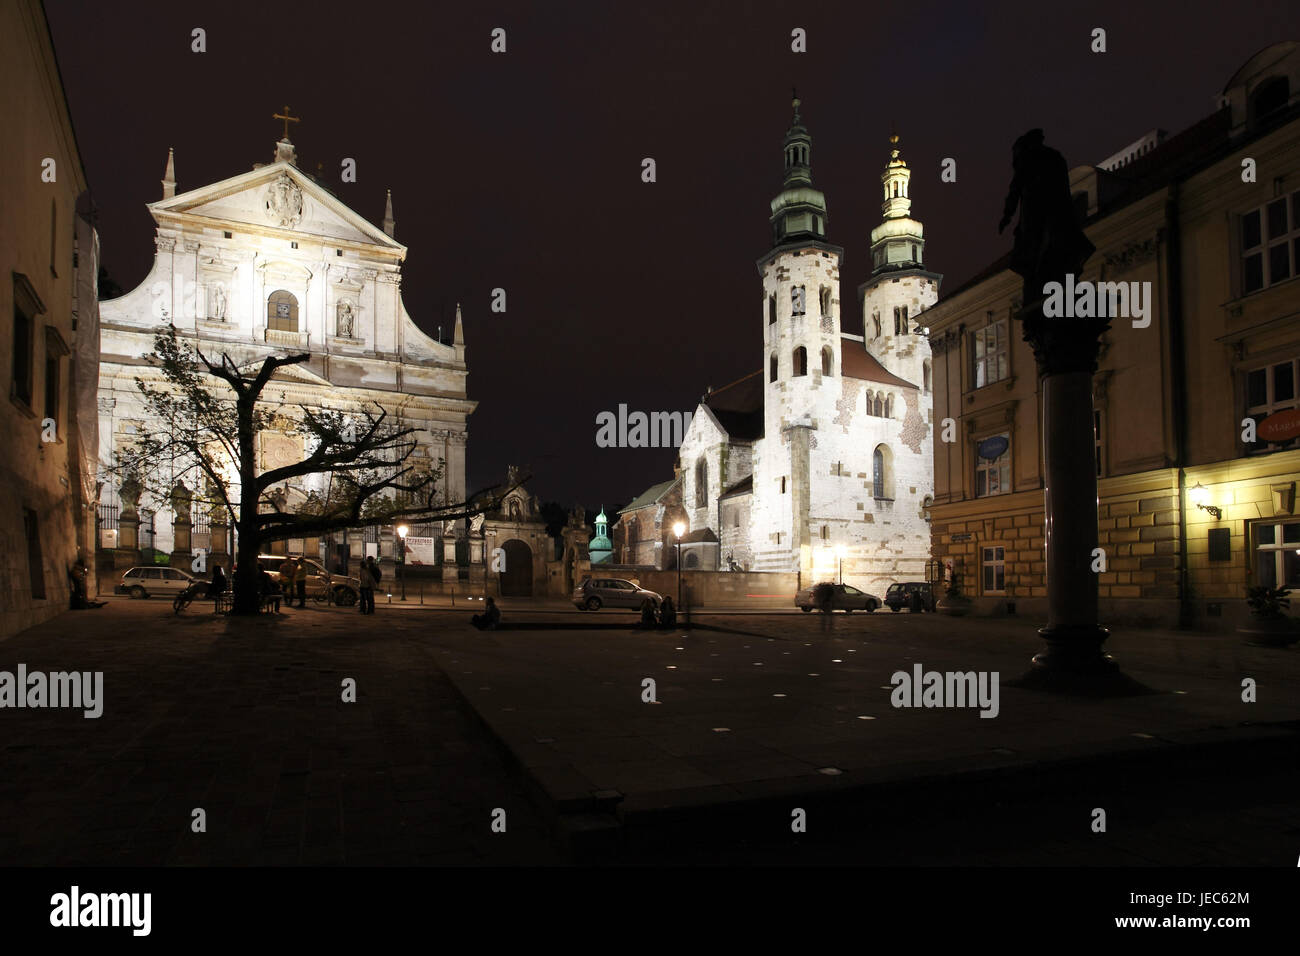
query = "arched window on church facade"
{"x": 282, "y": 312}
{"x": 879, "y": 408}
{"x": 800, "y": 361}
{"x": 702, "y": 483}
{"x": 882, "y": 473}
{"x": 828, "y": 360}
{"x": 889, "y": 406}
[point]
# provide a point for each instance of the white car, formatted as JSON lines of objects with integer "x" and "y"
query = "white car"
{"x": 147, "y": 581}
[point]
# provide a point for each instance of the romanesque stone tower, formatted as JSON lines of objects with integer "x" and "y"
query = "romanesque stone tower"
{"x": 801, "y": 334}
{"x": 900, "y": 288}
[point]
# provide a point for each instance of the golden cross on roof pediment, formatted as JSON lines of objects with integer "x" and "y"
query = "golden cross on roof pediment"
{"x": 287, "y": 120}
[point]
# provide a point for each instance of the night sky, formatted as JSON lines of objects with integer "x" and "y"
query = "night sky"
{"x": 523, "y": 170}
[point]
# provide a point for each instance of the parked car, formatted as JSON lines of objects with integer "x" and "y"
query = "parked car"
{"x": 899, "y": 596}
{"x": 844, "y": 597}
{"x": 144, "y": 582}
{"x": 346, "y": 589}
{"x": 592, "y": 594}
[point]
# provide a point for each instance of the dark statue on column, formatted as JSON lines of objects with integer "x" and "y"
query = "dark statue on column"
{"x": 1049, "y": 245}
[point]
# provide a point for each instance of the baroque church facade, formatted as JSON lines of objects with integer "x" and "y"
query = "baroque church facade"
{"x": 264, "y": 263}
{"x": 820, "y": 461}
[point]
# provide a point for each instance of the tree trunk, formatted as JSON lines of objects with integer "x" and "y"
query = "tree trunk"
{"x": 250, "y": 538}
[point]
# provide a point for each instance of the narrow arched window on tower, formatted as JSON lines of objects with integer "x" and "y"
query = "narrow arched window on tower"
{"x": 875, "y": 319}
{"x": 797, "y": 300}
{"x": 925, "y": 377}
{"x": 771, "y": 369}
{"x": 771, "y": 309}
{"x": 701, "y": 483}
{"x": 882, "y": 473}
{"x": 800, "y": 361}
{"x": 828, "y": 360}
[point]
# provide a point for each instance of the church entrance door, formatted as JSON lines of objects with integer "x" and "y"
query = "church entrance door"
{"x": 517, "y": 578}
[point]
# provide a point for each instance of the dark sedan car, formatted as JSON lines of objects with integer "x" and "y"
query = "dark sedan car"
{"x": 910, "y": 594}
{"x": 844, "y": 597}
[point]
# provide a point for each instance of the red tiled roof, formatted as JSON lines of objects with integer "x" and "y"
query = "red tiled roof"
{"x": 857, "y": 362}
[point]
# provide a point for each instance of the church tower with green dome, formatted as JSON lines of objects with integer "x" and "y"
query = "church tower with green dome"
{"x": 601, "y": 548}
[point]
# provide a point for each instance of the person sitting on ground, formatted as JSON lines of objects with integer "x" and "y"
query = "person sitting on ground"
{"x": 489, "y": 619}
{"x": 647, "y": 613}
{"x": 667, "y": 613}
{"x": 268, "y": 591}
{"x": 218, "y": 585}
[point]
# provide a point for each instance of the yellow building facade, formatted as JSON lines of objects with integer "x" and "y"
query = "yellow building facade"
{"x": 1197, "y": 392}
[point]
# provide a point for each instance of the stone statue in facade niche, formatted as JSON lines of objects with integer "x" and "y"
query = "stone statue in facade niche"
{"x": 218, "y": 309}
{"x": 345, "y": 320}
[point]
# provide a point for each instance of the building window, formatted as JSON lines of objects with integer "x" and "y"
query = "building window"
{"x": 797, "y": 300}
{"x": 826, "y": 533}
{"x": 800, "y": 361}
{"x": 993, "y": 476}
{"x": 771, "y": 369}
{"x": 993, "y": 564}
{"x": 1277, "y": 563}
{"x": 35, "y": 562}
{"x": 914, "y": 251}
{"x": 282, "y": 312}
{"x": 828, "y": 360}
{"x": 783, "y": 484}
{"x": 1270, "y": 243}
{"x": 771, "y": 309}
{"x": 227, "y": 235}
{"x": 882, "y": 473}
{"x": 925, "y": 377}
{"x": 338, "y": 252}
{"x": 293, "y": 245}
{"x": 1267, "y": 98}
{"x": 875, "y": 320}
{"x": 701, "y": 483}
{"x": 989, "y": 353}
{"x": 1271, "y": 389}
{"x": 27, "y": 305}
{"x": 817, "y": 224}
{"x": 824, "y": 300}
{"x": 900, "y": 320}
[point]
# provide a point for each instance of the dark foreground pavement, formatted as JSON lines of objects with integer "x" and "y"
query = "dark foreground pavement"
{"x": 757, "y": 716}
{"x": 245, "y": 720}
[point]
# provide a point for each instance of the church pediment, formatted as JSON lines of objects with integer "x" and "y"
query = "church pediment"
{"x": 276, "y": 198}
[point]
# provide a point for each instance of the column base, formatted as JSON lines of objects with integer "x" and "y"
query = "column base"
{"x": 1074, "y": 663}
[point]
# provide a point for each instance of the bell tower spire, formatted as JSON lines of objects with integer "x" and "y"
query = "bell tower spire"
{"x": 799, "y": 211}
{"x": 899, "y": 241}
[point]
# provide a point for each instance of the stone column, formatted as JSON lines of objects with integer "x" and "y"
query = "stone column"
{"x": 219, "y": 538}
{"x": 1050, "y": 252}
{"x": 181, "y": 556}
{"x": 128, "y": 524}
{"x": 450, "y": 576}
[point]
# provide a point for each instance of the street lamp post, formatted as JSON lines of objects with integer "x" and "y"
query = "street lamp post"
{"x": 402, "y": 531}
{"x": 679, "y": 529}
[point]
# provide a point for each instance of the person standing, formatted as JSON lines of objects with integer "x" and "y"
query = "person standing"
{"x": 300, "y": 579}
{"x": 367, "y": 586}
{"x": 286, "y": 580}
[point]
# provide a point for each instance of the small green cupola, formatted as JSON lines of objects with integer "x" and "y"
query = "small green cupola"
{"x": 799, "y": 211}
{"x": 601, "y": 548}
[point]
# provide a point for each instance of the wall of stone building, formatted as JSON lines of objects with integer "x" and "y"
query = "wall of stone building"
{"x": 703, "y": 440}
{"x": 1138, "y": 528}
{"x": 904, "y": 355}
{"x": 716, "y": 588}
{"x": 36, "y": 242}
{"x": 733, "y": 535}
